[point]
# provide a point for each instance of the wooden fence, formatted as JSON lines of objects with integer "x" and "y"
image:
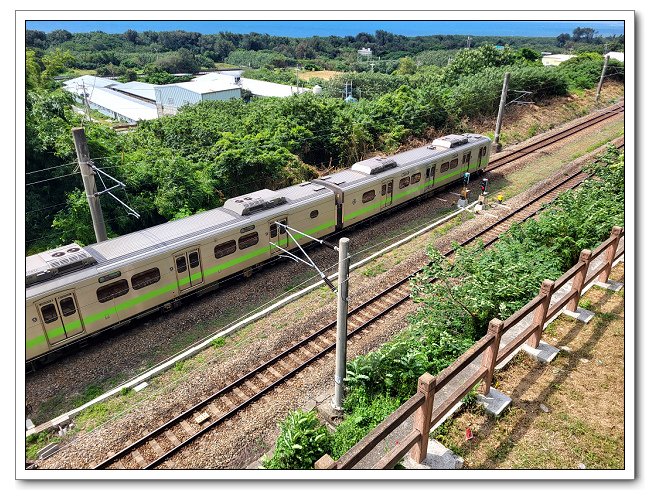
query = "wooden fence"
{"x": 502, "y": 339}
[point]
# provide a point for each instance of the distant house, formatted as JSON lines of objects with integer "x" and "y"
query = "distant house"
{"x": 556, "y": 59}
{"x": 174, "y": 95}
{"x": 619, "y": 56}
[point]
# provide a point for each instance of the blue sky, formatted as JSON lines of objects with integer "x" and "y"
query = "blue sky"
{"x": 341, "y": 28}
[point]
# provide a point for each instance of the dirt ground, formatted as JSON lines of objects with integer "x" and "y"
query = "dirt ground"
{"x": 568, "y": 414}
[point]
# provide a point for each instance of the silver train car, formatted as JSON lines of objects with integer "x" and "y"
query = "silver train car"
{"x": 74, "y": 291}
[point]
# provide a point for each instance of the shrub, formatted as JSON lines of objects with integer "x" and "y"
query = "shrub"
{"x": 302, "y": 441}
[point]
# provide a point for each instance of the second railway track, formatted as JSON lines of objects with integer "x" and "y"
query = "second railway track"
{"x": 159, "y": 445}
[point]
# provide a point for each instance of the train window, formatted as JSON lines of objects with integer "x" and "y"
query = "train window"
{"x": 248, "y": 240}
{"x": 368, "y": 196}
{"x": 194, "y": 259}
{"x": 415, "y": 178}
{"x": 110, "y": 276}
{"x": 466, "y": 158}
{"x": 404, "y": 181}
{"x": 67, "y": 306}
{"x": 49, "y": 313}
{"x": 428, "y": 172}
{"x": 225, "y": 249}
{"x": 117, "y": 289}
{"x": 313, "y": 214}
{"x": 274, "y": 230}
{"x": 383, "y": 189}
{"x": 181, "y": 264}
{"x": 145, "y": 278}
{"x": 454, "y": 163}
{"x": 444, "y": 167}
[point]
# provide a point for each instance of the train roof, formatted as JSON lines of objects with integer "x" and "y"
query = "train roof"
{"x": 45, "y": 272}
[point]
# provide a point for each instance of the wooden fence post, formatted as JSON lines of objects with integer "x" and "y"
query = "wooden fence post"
{"x": 540, "y": 313}
{"x": 579, "y": 280}
{"x": 324, "y": 463}
{"x": 495, "y": 329}
{"x": 422, "y": 421}
{"x": 610, "y": 253}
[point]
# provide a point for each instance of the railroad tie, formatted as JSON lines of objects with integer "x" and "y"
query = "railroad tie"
{"x": 274, "y": 372}
{"x": 252, "y": 386}
{"x": 284, "y": 366}
{"x": 228, "y": 402}
{"x": 240, "y": 394}
{"x": 172, "y": 438}
{"x": 156, "y": 447}
{"x": 187, "y": 428}
{"x": 216, "y": 412}
{"x": 139, "y": 459}
{"x": 265, "y": 381}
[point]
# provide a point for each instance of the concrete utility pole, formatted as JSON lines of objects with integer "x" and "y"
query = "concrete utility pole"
{"x": 602, "y": 77}
{"x": 88, "y": 176}
{"x": 341, "y": 323}
{"x": 502, "y": 105}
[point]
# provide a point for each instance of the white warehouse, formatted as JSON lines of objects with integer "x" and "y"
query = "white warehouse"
{"x": 171, "y": 97}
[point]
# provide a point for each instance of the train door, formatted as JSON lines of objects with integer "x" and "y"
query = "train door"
{"x": 430, "y": 176}
{"x": 60, "y": 316}
{"x": 278, "y": 234}
{"x": 387, "y": 194}
{"x": 481, "y": 156}
{"x": 467, "y": 162}
{"x": 189, "y": 272}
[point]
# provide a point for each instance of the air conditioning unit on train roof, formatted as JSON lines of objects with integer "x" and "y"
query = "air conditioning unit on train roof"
{"x": 374, "y": 165}
{"x": 254, "y": 202}
{"x": 51, "y": 263}
{"x": 449, "y": 141}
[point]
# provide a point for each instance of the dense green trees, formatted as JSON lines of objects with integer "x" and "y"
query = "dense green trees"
{"x": 259, "y": 50}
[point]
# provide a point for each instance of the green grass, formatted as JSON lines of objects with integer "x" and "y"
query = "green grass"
{"x": 218, "y": 342}
{"x": 372, "y": 270}
{"x": 36, "y": 442}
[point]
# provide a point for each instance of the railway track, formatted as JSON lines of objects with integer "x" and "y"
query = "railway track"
{"x": 159, "y": 445}
{"x": 551, "y": 139}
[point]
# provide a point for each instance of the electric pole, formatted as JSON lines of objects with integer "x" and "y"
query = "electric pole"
{"x": 341, "y": 323}
{"x": 502, "y": 105}
{"x": 88, "y": 177}
{"x": 602, "y": 77}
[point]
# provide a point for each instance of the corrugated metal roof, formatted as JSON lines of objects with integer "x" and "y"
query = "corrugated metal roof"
{"x": 90, "y": 81}
{"x": 130, "y": 107}
{"x": 205, "y": 87}
{"x": 140, "y": 89}
{"x": 257, "y": 87}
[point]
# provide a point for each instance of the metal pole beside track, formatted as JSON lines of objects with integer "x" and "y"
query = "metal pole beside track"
{"x": 341, "y": 324}
{"x": 602, "y": 77}
{"x": 88, "y": 177}
{"x": 502, "y": 105}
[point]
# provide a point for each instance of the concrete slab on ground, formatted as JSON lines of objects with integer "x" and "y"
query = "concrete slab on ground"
{"x": 495, "y": 402}
{"x": 545, "y": 353}
{"x": 438, "y": 458}
{"x": 614, "y": 286}
{"x": 580, "y": 314}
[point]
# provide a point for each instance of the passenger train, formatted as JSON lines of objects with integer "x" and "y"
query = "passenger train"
{"x": 74, "y": 291}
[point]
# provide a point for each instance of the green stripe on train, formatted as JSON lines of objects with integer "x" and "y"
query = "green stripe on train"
{"x": 127, "y": 304}
{"x": 408, "y": 192}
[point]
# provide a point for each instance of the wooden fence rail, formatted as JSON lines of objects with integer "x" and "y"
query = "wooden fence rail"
{"x": 500, "y": 341}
